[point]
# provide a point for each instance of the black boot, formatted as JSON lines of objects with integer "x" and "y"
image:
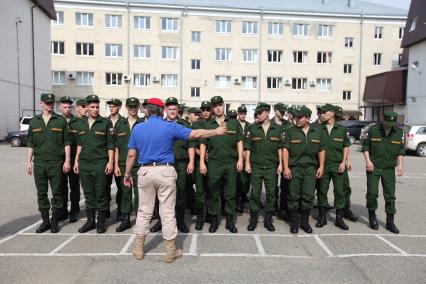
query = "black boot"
{"x": 240, "y": 204}
{"x": 390, "y": 225}
{"x": 180, "y": 220}
{"x": 108, "y": 212}
{"x": 252, "y": 222}
{"x": 373, "y": 220}
{"x": 100, "y": 224}
{"x": 322, "y": 217}
{"x": 90, "y": 223}
{"x": 339, "y": 220}
{"x": 349, "y": 215}
{"x": 75, "y": 209}
{"x": 45, "y": 225}
{"x": 125, "y": 223}
{"x": 199, "y": 224}
{"x": 119, "y": 216}
{"x": 294, "y": 225}
{"x": 304, "y": 221}
{"x": 230, "y": 224}
{"x": 282, "y": 215}
{"x": 157, "y": 226}
{"x": 54, "y": 226}
{"x": 267, "y": 222}
{"x": 63, "y": 214}
{"x": 214, "y": 224}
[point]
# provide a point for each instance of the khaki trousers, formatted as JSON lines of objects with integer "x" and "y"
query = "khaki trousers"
{"x": 157, "y": 181}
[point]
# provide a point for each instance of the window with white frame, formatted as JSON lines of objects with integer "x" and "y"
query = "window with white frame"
{"x": 142, "y": 79}
{"x": 84, "y": 49}
{"x": 195, "y": 64}
{"x": 349, "y": 42}
{"x": 113, "y": 21}
{"x": 300, "y": 29}
{"x": 169, "y": 24}
{"x": 323, "y": 84}
{"x": 249, "y": 82}
{"x": 223, "y": 26}
{"x": 377, "y": 59}
{"x": 401, "y": 32}
{"x": 299, "y": 83}
{"x": 300, "y": 56}
{"x": 84, "y": 19}
{"x": 195, "y": 92}
{"x": 275, "y": 55}
{"x": 324, "y": 57}
{"x": 113, "y": 50}
{"x": 275, "y": 29}
{"x": 114, "y": 79}
{"x": 58, "y": 77}
{"x": 274, "y": 82}
{"x": 249, "y": 55}
{"x": 142, "y": 51}
{"x": 347, "y": 68}
{"x": 325, "y": 30}
{"x": 58, "y": 47}
{"x": 169, "y": 80}
{"x": 222, "y": 82}
{"x": 378, "y": 32}
{"x": 142, "y": 22}
{"x": 195, "y": 36}
{"x": 169, "y": 52}
{"x": 59, "y": 18}
{"x": 85, "y": 78}
{"x": 347, "y": 95}
{"x": 249, "y": 28}
{"x": 223, "y": 54}
{"x": 413, "y": 24}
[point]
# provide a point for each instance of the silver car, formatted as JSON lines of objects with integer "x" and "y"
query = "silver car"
{"x": 416, "y": 140}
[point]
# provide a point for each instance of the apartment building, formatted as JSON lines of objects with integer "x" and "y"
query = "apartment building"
{"x": 295, "y": 52}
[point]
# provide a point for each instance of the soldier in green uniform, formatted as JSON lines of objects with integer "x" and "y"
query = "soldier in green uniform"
{"x": 123, "y": 130}
{"x": 243, "y": 178}
{"x": 93, "y": 162}
{"x": 193, "y": 114}
{"x": 263, "y": 161}
{"x": 48, "y": 143}
{"x": 303, "y": 161}
{"x": 81, "y": 108}
{"x": 232, "y": 114}
{"x": 225, "y": 155}
{"x": 337, "y": 149}
{"x": 384, "y": 149}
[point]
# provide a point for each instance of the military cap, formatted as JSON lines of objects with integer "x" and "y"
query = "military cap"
{"x": 263, "y": 107}
{"x": 92, "y": 99}
{"x": 216, "y": 100}
{"x": 132, "y": 101}
{"x": 181, "y": 107}
{"x": 327, "y": 107}
{"x": 193, "y": 110}
{"x": 206, "y": 104}
{"x": 242, "y": 109}
{"x": 145, "y": 102}
{"x": 291, "y": 109}
{"x": 115, "y": 102}
{"x": 390, "y": 117}
{"x": 232, "y": 113}
{"x": 303, "y": 111}
{"x": 81, "y": 102}
{"x": 47, "y": 98}
{"x": 65, "y": 99}
{"x": 280, "y": 107}
{"x": 172, "y": 101}
{"x": 338, "y": 111}
{"x": 156, "y": 102}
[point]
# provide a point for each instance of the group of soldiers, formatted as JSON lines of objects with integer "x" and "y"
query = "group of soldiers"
{"x": 291, "y": 158}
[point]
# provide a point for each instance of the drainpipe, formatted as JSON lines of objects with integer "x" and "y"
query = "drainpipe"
{"x": 128, "y": 48}
{"x": 184, "y": 13}
{"x": 260, "y": 55}
{"x": 33, "y": 58}
{"x": 361, "y": 40}
{"x": 17, "y": 22}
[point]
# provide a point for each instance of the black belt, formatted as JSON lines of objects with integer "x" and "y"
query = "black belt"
{"x": 155, "y": 164}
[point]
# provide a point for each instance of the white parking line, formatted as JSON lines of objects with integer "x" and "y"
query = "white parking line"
{"x": 193, "y": 248}
{"x": 392, "y": 245}
{"x": 323, "y": 245}
{"x": 259, "y": 245}
{"x": 61, "y": 246}
{"x": 128, "y": 244}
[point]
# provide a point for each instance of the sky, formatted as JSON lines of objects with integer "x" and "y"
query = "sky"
{"x": 404, "y": 4}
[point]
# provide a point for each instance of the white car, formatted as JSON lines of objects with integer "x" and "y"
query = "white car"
{"x": 25, "y": 123}
{"x": 416, "y": 140}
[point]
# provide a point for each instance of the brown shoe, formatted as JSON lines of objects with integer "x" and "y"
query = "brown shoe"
{"x": 171, "y": 252}
{"x": 138, "y": 249}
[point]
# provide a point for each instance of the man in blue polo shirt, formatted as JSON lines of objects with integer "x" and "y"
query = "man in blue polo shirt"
{"x": 153, "y": 141}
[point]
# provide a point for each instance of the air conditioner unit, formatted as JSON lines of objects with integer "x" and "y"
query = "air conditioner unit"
{"x": 71, "y": 75}
{"x": 312, "y": 83}
{"x": 126, "y": 77}
{"x": 237, "y": 81}
{"x": 287, "y": 82}
{"x": 155, "y": 79}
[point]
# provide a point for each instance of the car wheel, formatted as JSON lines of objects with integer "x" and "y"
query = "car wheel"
{"x": 16, "y": 142}
{"x": 352, "y": 139}
{"x": 421, "y": 150}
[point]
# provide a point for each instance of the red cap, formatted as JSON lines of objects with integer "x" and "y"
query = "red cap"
{"x": 155, "y": 101}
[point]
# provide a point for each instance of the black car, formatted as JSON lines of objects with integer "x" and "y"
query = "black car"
{"x": 354, "y": 128}
{"x": 17, "y": 138}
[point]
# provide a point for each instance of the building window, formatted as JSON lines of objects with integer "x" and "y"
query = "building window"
{"x": 249, "y": 28}
{"x": 85, "y": 78}
{"x": 142, "y": 23}
{"x": 59, "y": 18}
{"x": 142, "y": 51}
{"x": 249, "y": 82}
{"x": 113, "y": 21}
{"x": 142, "y": 80}
{"x": 275, "y": 29}
{"x": 401, "y": 33}
{"x": 195, "y": 91}
{"x": 274, "y": 82}
{"x": 223, "y": 26}
{"x": 323, "y": 84}
{"x": 58, "y": 47}
{"x": 413, "y": 24}
{"x": 113, "y": 50}
{"x": 169, "y": 52}
{"x": 85, "y": 49}
{"x": 299, "y": 83}
{"x": 349, "y": 42}
{"x": 169, "y": 80}
{"x": 222, "y": 82}
{"x": 249, "y": 55}
{"x": 300, "y": 29}
{"x": 58, "y": 77}
{"x": 274, "y": 55}
{"x": 195, "y": 64}
{"x": 347, "y": 68}
{"x": 347, "y": 95}
{"x": 378, "y": 32}
{"x": 300, "y": 56}
{"x": 377, "y": 59}
{"x": 325, "y": 30}
{"x": 195, "y": 36}
{"x": 324, "y": 57}
{"x": 169, "y": 24}
{"x": 223, "y": 54}
{"x": 84, "y": 19}
{"x": 114, "y": 79}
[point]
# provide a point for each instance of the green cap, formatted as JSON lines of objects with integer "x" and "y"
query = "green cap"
{"x": 172, "y": 101}
{"x": 47, "y": 98}
{"x": 263, "y": 107}
{"x": 242, "y": 109}
{"x": 145, "y": 102}
{"x": 181, "y": 107}
{"x": 303, "y": 111}
{"x": 390, "y": 117}
{"x": 115, "y": 102}
{"x": 216, "y": 100}
{"x": 193, "y": 110}
{"x": 132, "y": 101}
{"x": 206, "y": 104}
{"x": 81, "y": 102}
{"x": 232, "y": 113}
{"x": 338, "y": 111}
{"x": 291, "y": 109}
{"x": 92, "y": 99}
{"x": 327, "y": 107}
{"x": 280, "y": 107}
{"x": 66, "y": 100}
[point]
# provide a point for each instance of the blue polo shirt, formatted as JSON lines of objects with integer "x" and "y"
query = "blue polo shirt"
{"x": 154, "y": 140}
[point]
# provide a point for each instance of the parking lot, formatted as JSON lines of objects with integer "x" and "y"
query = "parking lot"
{"x": 328, "y": 254}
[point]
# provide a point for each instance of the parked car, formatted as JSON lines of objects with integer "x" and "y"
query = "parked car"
{"x": 17, "y": 138}
{"x": 416, "y": 140}
{"x": 24, "y": 123}
{"x": 354, "y": 128}
{"x": 364, "y": 130}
